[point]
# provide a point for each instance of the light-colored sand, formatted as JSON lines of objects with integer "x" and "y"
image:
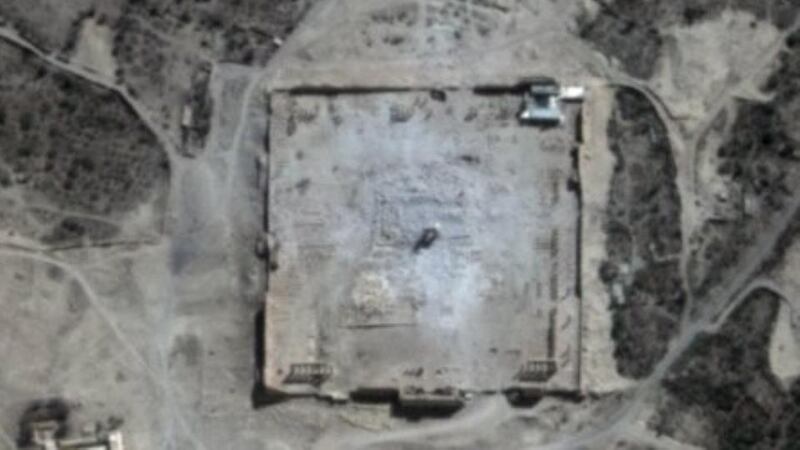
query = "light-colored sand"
{"x": 93, "y": 49}
{"x": 698, "y": 69}
{"x": 784, "y": 353}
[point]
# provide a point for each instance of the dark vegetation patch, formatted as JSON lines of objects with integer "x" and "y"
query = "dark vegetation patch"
{"x": 164, "y": 50}
{"x": 758, "y": 162}
{"x": 725, "y": 380}
{"x": 644, "y": 237}
{"x": 636, "y": 43}
{"x": 49, "y": 24}
{"x": 632, "y": 30}
{"x": 240, "y": 31}
{"x": 163, "y": 77}
{"x": 77, "y": 230}
{"x": 75, "y": 144}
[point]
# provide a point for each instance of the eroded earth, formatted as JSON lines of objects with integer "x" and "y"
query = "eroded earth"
{"x": 148, "y": 205}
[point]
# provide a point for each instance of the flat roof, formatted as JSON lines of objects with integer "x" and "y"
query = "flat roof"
{"x": 355, "y": 180}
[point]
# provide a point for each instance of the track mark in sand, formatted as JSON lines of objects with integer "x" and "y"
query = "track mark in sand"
{"x": 484, "y": 412}
{"x": 6, "y": 438}
{"x": 110, "y": 321}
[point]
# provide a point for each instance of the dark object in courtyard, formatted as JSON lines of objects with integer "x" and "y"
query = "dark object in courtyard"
{"x": 439, "y": 95}
{"x": 426, "y": 239}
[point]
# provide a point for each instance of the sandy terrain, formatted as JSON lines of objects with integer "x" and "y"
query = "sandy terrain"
{"x": 93, "y": 49}
{"x": 162, "y": 331}
{"x": 784, "y": 351}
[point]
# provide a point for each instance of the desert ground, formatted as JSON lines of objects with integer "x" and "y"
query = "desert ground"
{"x": 164, "y": 165}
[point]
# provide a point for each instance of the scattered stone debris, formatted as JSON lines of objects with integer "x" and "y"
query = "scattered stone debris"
{"x": 461, "y": 231}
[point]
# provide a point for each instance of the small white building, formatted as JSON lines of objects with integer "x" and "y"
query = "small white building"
{"x": 44, "y": 438}
{"x": 541, "y": 105}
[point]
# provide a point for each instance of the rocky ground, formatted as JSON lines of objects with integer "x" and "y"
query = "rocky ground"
{"x": 132, "y": 164}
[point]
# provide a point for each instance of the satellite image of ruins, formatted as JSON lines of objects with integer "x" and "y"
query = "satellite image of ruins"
{"x": 400, "y": 224}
